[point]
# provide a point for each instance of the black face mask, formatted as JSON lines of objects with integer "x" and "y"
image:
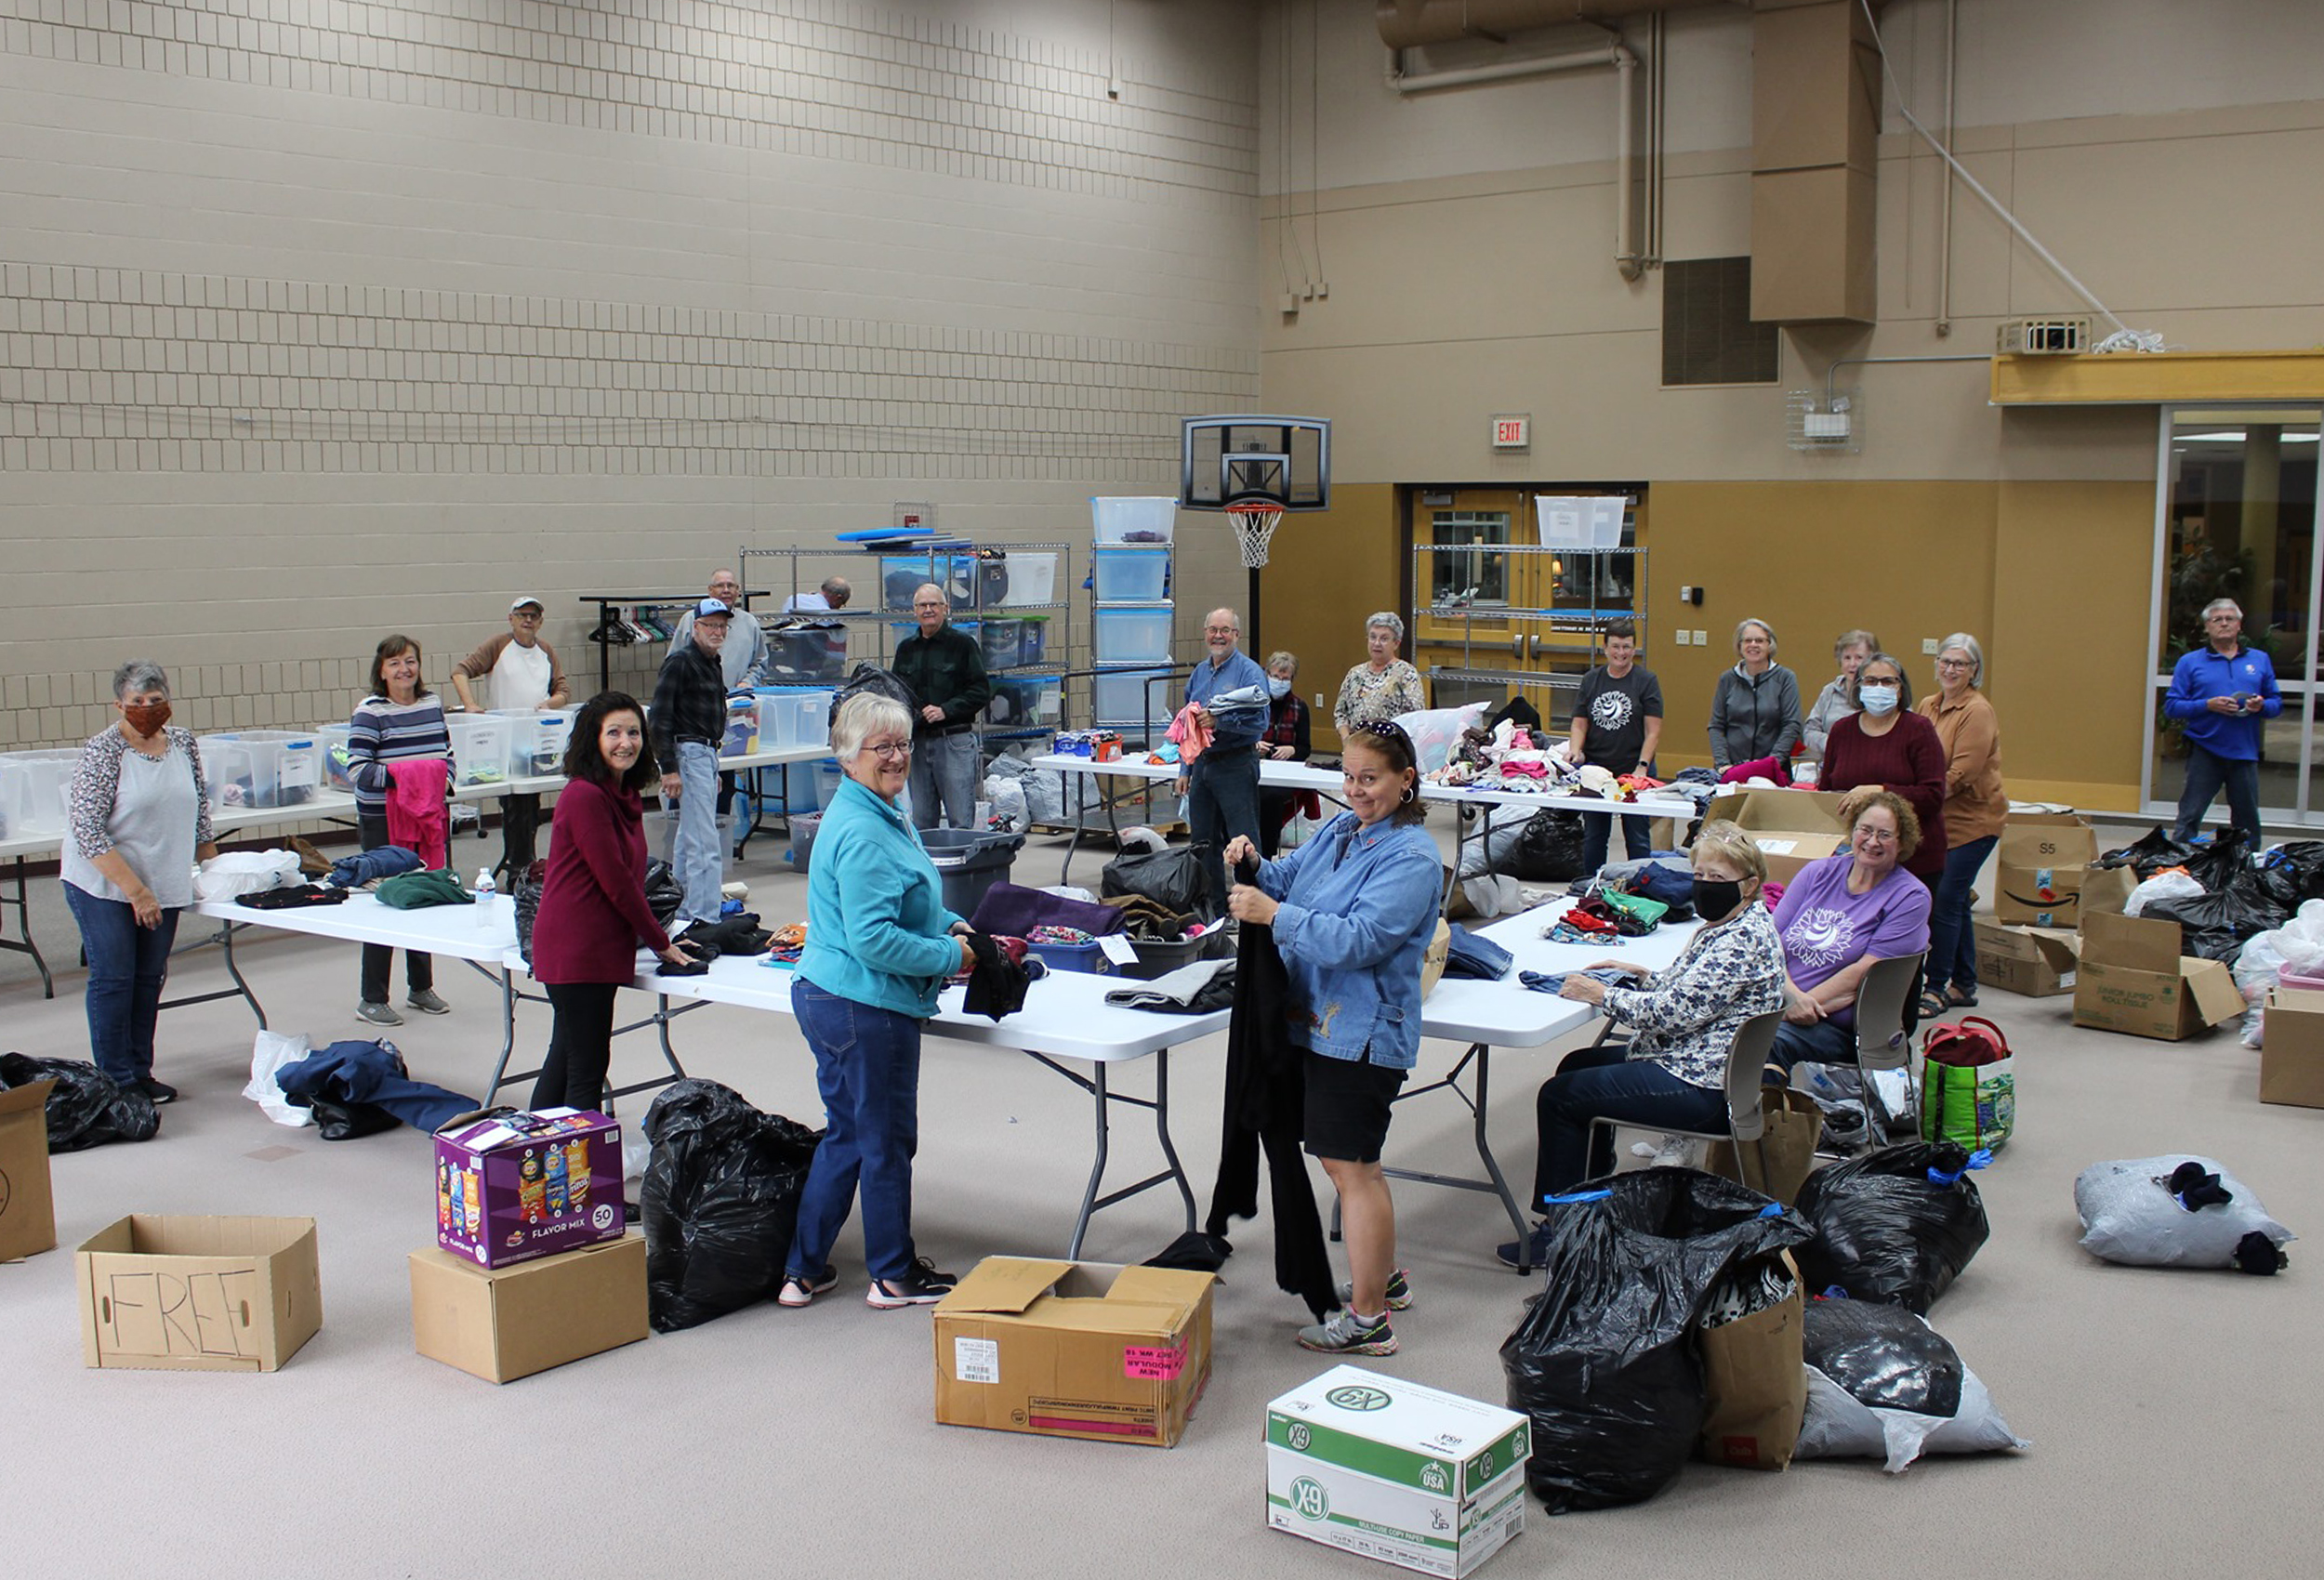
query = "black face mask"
{"x": 1715, "y": 899}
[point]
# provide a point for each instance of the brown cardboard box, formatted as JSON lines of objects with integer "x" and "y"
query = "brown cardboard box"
{"x": 502, "y": 1324}
{"x": 1074, "y": 1349}
{"x": 2291, "y": 1058}
{"x": 2037, "y": 962}
{"x": 199, "y": 1294}
{"x": 2044, "y": 878}
{"x": 1790, "y": 827}
{"x": 2132, "y": 979}
{"x": 28, "y": 1214}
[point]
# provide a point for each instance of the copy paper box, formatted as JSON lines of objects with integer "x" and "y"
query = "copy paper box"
{"x": 502, "y": 1324}
{"x": 198, "y": 1293}
{"x": 1074, "y": 1349}
{"x": 28, "y": 1216}
{"x": 2044, "y": 878}
{"x": 2132, "y": 979}
{"x": 1790, "y": 827}
{"x": 514, "y": 1187}
{"x": 2291, "y": 1051}
{"x": 1389, "y": 1469}
{"x": 2035, "y": 962}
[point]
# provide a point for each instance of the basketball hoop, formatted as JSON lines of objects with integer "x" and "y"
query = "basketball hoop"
{"x": 1254, "y": 521}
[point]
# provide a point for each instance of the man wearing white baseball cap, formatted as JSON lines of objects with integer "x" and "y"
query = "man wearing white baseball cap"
{"x": 517, "y": 670}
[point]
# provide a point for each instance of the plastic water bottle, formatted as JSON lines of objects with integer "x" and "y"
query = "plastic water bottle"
{"x": 485, "y": 890}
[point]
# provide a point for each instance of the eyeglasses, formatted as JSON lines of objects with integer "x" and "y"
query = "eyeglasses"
{"x": 1221, "y": 630}
{"x": 1876, "y": 836}
{"x": 1955, "y": 664}
{"x": 889, "y": 750}
{"x": 530, "y": 616}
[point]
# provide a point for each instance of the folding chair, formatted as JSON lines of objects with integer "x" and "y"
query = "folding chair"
{"x": 1884, "y": 1034}
{"x": 1746, "y": 1056}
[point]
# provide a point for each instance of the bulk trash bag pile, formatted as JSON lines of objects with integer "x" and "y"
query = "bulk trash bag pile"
{"x": 1603, "y": 1362}
{"x": 1895, "y": 1227}
{"x": 721, "y": 1202}
{"x": 1882, "y": 1384}
{"x": 85, "y": 1108}
{"x": 2179, "y": 1210}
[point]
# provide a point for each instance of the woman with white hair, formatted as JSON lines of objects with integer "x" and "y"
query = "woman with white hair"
{"x": 1838, "y": 699}
{"x": 1755, "y": 709}
{"x": 1975, "y": 807}
{"x": 1383, "y": 686}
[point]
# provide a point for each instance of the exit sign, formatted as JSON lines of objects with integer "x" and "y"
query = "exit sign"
{"x": 1513, "y": 431}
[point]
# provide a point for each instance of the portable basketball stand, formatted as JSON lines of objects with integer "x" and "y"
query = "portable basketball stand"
{"x": 1255, "y": 470}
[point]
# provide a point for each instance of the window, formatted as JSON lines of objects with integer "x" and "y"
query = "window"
{"x": 1469, "y": 580}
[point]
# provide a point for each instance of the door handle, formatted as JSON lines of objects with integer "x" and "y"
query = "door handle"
{"x": 1517, "y": 646}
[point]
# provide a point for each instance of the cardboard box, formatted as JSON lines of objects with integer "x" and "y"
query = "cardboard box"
{"x": 1384, "y": 1468}
{"x": 2037, "y": 962}
{"x": 1074, "y": 1349}
{"x": 2292, "y": 1054}
{"x": 1790, "y": 827}
{"x": 2132, "y": 979}
{"x": 516, "y": 1187}
{"x": 502, "y": 1324}
{"x": 28, "y": 1214}
{"x": 198, "y": 1293}
{"x": 2044, "y": 878}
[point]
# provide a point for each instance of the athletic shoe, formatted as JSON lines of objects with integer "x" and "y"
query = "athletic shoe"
{"x": 1399, "y": 1291}
{"x": 159, "y": 1091}
{"x": 920, "y": 1285}
{"x": 1535, "y": 1247}
{"x": 800, "y": 1290}
{"x": 427, "y": 1002}
{"x": 378, "y": 1015}
{"x": 1344, "y": 1332}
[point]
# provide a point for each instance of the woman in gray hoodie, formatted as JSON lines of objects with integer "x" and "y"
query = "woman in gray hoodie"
{"x": 1755, "y": 709}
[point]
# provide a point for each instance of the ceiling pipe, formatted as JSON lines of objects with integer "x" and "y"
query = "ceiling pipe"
{"x": 1406, "y": 24}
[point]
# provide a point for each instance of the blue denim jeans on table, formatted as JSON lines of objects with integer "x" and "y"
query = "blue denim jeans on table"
{"x": 867, "y": 1066}
{"x": 2206, "y": 775}
{"x": 1222, "y": 801}
{"x": 695, "y": 855}
{"x": 944, "y": 780}
{"x": 1605, "y": 1083}
{"x": 127, "y": 965}
{"x": 1952, "y": 939}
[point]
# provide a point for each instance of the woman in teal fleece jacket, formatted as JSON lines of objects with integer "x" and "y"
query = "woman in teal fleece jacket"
{"x": 879, "y": 947}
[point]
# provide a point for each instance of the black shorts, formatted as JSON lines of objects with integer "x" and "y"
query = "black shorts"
{"x": 1348, "y": 1103}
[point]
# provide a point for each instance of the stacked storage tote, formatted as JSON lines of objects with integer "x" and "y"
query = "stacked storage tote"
{"x": 1132, "y": 623}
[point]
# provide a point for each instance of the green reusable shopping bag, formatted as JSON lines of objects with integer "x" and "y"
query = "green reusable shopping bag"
{"x": 1968, "y": 1086}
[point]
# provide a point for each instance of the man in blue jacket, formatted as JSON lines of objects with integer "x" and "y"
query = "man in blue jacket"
{"x": 2223, "y": 689}
{"x": 1221, "y": 788}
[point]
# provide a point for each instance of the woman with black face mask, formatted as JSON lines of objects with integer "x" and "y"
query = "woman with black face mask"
{"x": 1672, "y": 1075}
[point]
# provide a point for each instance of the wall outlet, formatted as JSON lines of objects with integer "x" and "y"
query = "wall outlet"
{"x": 1702, "y": 639}
{"x": 1928, "y": 645}
{"x": 1679, "y": 637}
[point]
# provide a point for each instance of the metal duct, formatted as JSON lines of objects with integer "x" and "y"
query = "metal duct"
{"x": 1408, "y": 24}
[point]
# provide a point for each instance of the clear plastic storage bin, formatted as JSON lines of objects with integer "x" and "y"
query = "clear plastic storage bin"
{"x": 480, "y": 747}
{"x": 1136, "y": 634}
{"x": 1124, "y": 697}
{"x": 1032, "y": 579}
{"x": 338, "y": 772}
{"x": 1033, "y": 639}
{"x": 792, "y": 716}
{"x": 742, "y": 727}
{"x": 35, "y": 791}
{"x": 1130, "y": 575}
{"x": 261, "y": 768}
{"x": 1148, "y": 520}
{"x": 537, "y": 739}
{"x": 1026, "y": 702}
{"x": 1004, "y": 642}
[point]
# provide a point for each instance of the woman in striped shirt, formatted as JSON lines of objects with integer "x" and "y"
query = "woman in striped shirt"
{"x": 400, "y": 721}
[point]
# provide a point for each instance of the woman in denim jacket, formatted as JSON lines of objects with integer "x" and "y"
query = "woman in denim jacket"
{"x": 1353, "y": 911}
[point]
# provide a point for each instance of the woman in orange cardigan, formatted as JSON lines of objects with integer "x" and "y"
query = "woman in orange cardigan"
{"x": 1975, "y": 809}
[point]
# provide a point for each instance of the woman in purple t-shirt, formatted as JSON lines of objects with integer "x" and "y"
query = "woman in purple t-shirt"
{"x": 1838, "y": 917}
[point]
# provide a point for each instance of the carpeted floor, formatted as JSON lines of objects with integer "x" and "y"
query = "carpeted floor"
{"x": 2174, "y": 1415}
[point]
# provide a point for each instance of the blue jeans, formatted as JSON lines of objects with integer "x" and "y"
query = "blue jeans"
{"x": 1597, "y": 832}
{"x": 1222, "y": 801}
{"x": 1820, "y": 1041}
{"x": 127, "y": 965}
{"x": 944, "y": 780}
{"x": 695, "y": 856}
{"x": 1952, "y": 941}
{"x": 867, "y": 1066}
{"x": 1606, "y": 1083}
{"x": 2206, "y": 775}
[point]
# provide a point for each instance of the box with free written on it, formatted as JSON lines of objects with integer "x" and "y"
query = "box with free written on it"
{"x": 2133, "y": 979}
{"x": 1790, "y": 827}
{"x": 511, "y": 1186}
{"x": 502, "y": 1324}
{"x": 198, "y": 1293}
{"x": 1074, "y": 1349}
{"x": 1390, "y": 1470}
{"x": 28, "y": 1213}
{"x": 2044, "y": 877}
{"x": 2291, "y": 1051}
{"x": 2034, "y": 962}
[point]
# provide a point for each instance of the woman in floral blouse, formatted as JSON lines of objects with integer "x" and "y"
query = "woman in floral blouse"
{"x": 1382, "y": 687}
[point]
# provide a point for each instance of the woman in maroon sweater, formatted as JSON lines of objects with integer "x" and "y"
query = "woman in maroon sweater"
{"x": 593, "y": 911}
{"x": 1887, "y": 746}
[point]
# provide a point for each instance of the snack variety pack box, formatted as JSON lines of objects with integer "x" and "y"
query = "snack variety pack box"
{"x": 510, "y": 1187}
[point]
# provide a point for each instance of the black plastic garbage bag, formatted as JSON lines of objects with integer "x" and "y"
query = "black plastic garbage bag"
{"x": 880, "y": 682}
{"x": 2149, "y": 854}
{"x": 1882, "y": 1384}
{"x": 2216, "y": 926}
{"x": 1896, "y": 1226}
{"x": 663, "y": 893}
{"x": 1602, "y": 1361}
{"x": 2301, "y": 865}
{"x": 2216, "y": 864}
{"x": 1175, "y": 878}
{"x": 1550, "y": 848}
{"x": 721, "y": 1202}
{"x": 85, "y": 1108}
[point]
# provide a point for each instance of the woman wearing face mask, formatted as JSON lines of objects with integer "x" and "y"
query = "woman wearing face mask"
{"x": 141, "y": 819}
{"x": 1838, "y": 699}
{"x": 1286, "y": 741}
{"x": 1672, "y": 1075}
{"x": 1841, "y": 917}
{"x": 1886, "y": 745}
{"x": 1755, "y": 707}
{"x": 1975, "y": 807}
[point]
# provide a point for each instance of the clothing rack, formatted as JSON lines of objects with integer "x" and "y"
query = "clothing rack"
{"x": 609, "y": 619}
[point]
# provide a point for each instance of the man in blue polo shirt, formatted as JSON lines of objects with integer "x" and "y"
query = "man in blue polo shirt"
{"x": 1222, "y": 788}
{"x": 2223, "y": 689}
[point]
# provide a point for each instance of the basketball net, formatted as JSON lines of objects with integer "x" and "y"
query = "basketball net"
{"x": 1254, "y": 521}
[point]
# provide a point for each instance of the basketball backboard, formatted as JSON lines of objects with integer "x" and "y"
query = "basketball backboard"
{"x": 1284, "y": 461}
